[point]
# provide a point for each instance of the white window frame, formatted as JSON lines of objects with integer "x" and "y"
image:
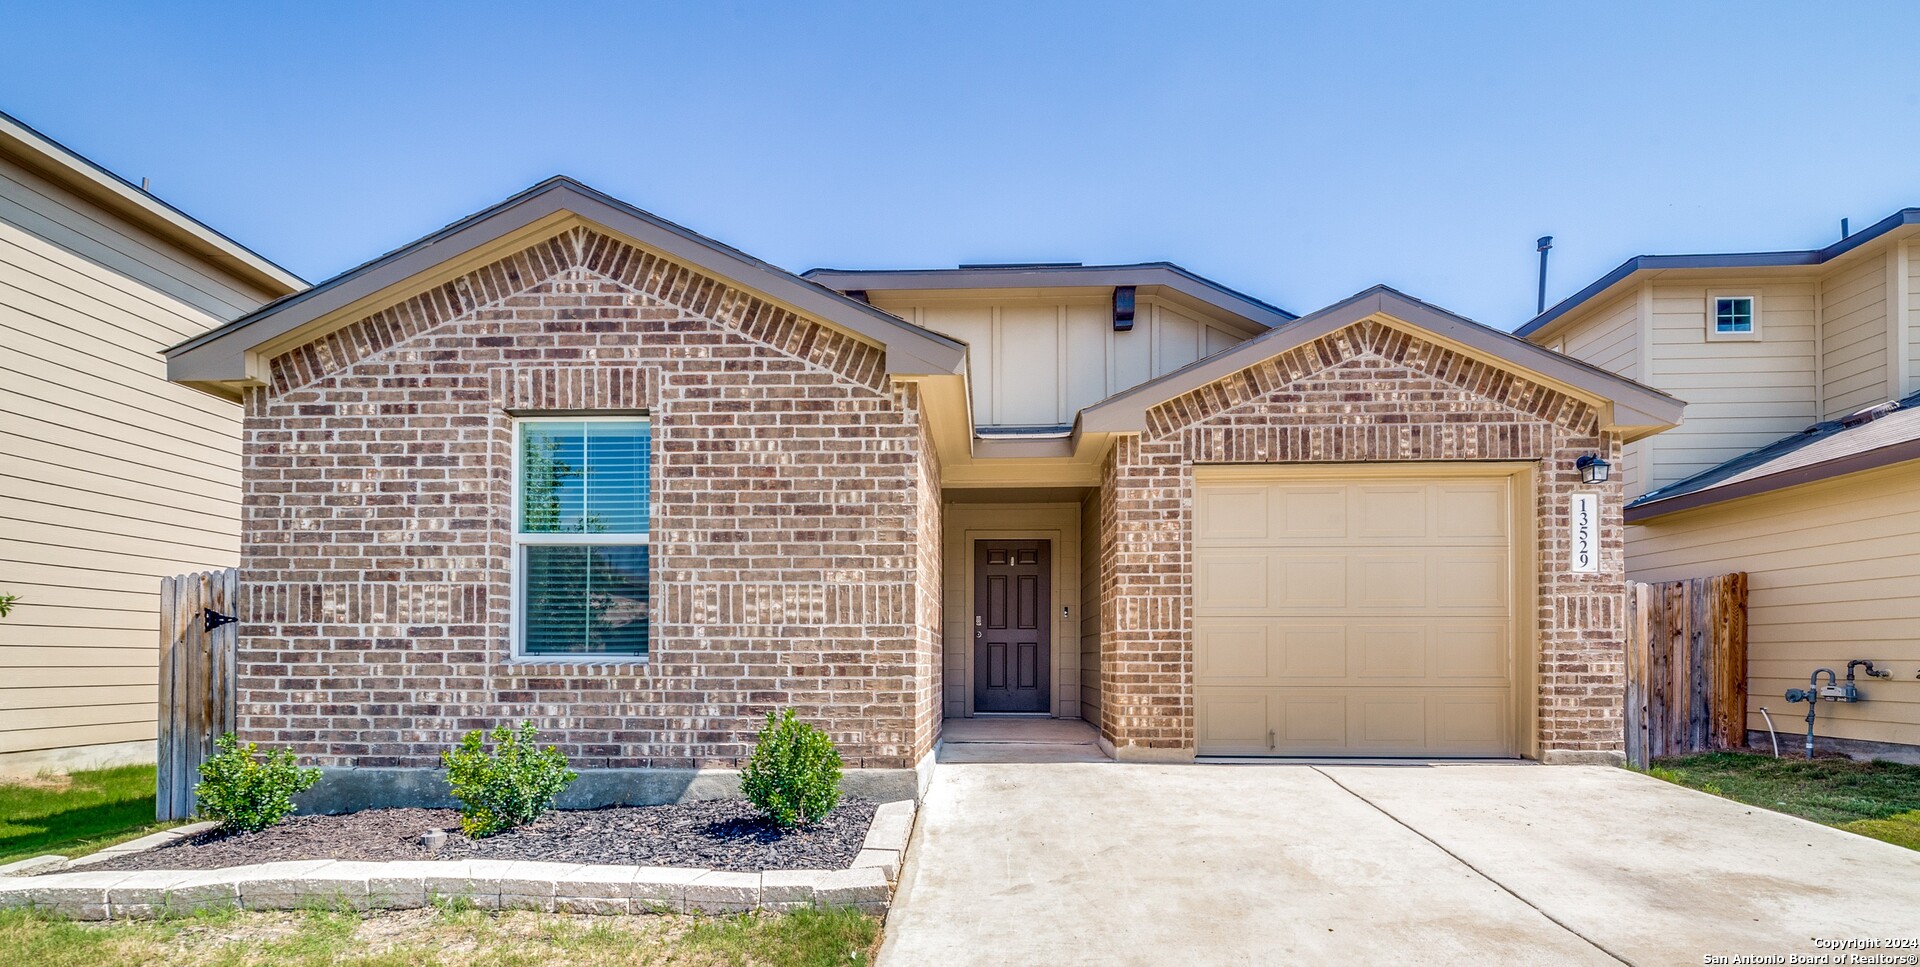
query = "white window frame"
{"x": 1713, "y": 315}
{"x": 516, "y": 615}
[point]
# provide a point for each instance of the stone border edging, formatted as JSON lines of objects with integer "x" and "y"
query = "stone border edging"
{"x": 484, "y": 884}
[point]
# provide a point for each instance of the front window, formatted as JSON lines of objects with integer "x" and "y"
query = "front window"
{"x": 1733, "y": 315}
{"x": 580, "y": 537}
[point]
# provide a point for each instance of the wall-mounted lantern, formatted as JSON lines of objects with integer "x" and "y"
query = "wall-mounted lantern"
{"x": 1122, "y": 308}
{"x": 1593, "y": 470}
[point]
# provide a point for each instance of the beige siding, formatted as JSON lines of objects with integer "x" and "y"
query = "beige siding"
{"x": 1740, "y": 394}
{"x": 1834, "y": 574}
{"x": 44, "y": 209}
{"x": 1853, "y": 351}
{"x": 967, "y": 523}
{"x": 1610, "y": 338}
{"x": 1038, "y": 361}
{"x": 113, "y": 477}
{"x": 1090, "y": 614}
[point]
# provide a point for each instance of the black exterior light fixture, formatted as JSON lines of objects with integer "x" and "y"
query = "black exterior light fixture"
{"x": 1593, "y": 470}
{"x": 1122, "y": 308}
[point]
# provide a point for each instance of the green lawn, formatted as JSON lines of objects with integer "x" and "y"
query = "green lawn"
{"x": 803, "y": 938}
{"x": 1877, "y": 799}
{"x": 76, "y": 814}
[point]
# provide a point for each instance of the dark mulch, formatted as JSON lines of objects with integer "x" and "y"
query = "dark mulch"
{"x": 719, "y": 835}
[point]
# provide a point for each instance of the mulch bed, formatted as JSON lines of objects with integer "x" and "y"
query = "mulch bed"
{"x": 718, "y": 835}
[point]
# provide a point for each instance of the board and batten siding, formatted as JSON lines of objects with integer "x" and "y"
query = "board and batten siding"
{"x": 113, "y": 477}
{"x": 1037, "y": 362}
{"x": 1833, "y": 574}
{"x": 1853, "y": 348}
{"x": 1913, "y": 320}
{"x": 1740, "y": 394}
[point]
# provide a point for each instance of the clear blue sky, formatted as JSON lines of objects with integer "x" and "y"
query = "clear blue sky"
{"x": 1298, "y": 152}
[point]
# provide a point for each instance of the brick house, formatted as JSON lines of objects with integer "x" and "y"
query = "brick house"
{"x": 568, "y": 462}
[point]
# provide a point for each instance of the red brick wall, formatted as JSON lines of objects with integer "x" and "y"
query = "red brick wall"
{"x": 790, "y": 528}
{"x": 1368, "y": 393}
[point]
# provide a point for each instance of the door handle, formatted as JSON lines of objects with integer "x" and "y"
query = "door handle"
{"x": 979, "y": 634}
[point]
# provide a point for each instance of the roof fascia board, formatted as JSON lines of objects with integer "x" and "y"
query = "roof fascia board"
{"x": 546, "y": 208}
{"x": 1813, "y": 473}
{"x": 80, "y": 174}
{"x": 1173, "y": 277}
{"x": 1748, "y": 260}
{"x": 1630, "y": 404}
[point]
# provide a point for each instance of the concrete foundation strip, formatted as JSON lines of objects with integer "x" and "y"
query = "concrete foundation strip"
{"x": 480, "y": 884}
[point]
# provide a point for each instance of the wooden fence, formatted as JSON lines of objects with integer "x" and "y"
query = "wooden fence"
{"x": 1686, "y": 666}
{"x": 196, "y": 680}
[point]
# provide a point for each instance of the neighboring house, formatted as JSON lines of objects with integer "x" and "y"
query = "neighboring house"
{"x": 1799, "y": 461}
{"x": 568, "y": 462}
{"x": 110, "y": 476}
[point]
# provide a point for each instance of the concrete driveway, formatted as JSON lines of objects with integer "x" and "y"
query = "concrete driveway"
{"x": 1092, "y": 862}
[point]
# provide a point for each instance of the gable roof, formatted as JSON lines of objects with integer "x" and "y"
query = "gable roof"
{"x": 80, "y": 175}
{"x": 1737, "y": 260}
{"x": 1048, "y": 275}
{"x": 1876, "y": 437}
{"x": 1637, "y": 408}
{"x": 538, "y": 212}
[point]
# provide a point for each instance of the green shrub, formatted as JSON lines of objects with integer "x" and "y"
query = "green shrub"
{"x": 245, "y": 792}
{"x": 794, "y": 775}
{"x": 511, "y": 785}
{"x": 7, "y": 601}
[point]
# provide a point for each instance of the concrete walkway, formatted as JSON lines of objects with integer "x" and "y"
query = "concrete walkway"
{"x": 1092, "y": 862}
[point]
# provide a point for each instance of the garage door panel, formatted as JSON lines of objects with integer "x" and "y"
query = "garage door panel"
{"x": 1390, "y": 650}
{"x": 1478, "y": 650}
{"x": 1309, "y": 511}
{"x": 1472, "y": 722}
{"x": 1472, "y": 512}
{"x": 1387, "y": 720}
{"x": 1388, "y": 581}
{"x": 1230, "y": 582}
{"x": 1232, "y": 514}
{"x": 1310, "y": 650}
{"x": 1372, "y": 618}
{"x": 1256, "y": 581}
{"x": 1229, "y": 652}
{"x": 1233, "y": 721}
{"x": 1470, "y": 580}
{"x": 1391, "y": 511}
{"x": 1309, "y": 722}
{"x": 1268, "y": 651}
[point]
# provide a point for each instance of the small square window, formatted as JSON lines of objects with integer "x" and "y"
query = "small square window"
{"x": 1733, "y": 316}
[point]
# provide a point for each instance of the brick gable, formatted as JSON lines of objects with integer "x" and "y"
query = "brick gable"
{"x": 1366, "y": 393}
{"x": 791, "y": 492}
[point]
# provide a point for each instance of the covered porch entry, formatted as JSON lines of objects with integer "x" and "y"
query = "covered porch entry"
{"x": 1021, "y": 606}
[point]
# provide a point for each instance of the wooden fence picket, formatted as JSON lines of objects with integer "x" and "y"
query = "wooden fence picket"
{"x": 1686, "y": 660}
{"x": 196, "y": 700}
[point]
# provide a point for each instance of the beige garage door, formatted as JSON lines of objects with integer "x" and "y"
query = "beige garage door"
{"x": 1369, "y": 617}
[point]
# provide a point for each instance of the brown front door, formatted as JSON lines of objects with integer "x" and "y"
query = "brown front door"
{"x": 1012, "y": 638}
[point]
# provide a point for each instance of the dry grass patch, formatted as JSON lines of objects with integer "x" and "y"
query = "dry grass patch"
{"x": 807, "y": 938}
{"x": 44, "y": 782}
